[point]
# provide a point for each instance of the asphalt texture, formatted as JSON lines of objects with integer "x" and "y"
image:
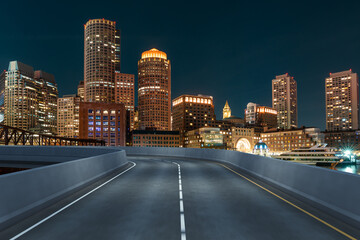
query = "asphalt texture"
{"x": 143, "y": 203}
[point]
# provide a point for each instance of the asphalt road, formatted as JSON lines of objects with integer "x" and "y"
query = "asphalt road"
{"x": 144, "y": 203}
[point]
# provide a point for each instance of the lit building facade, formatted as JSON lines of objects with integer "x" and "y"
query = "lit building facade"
{"x": 101, "y": 41}
{"x": 280, "y": 141}
{"x": 125, "y": 93}
{"x": 154, "y": 90}
{"x": 342, "y": 101}
{"x": 244, "y": 139}
{"x": 344, "y": 140}
{"x": 284, "y": 101}
{"x": 30, "y": 99}
{"x": 81, "y": 90}
{"x": 256, "y": 115}
{"x": 68, "y": 116}
{"x": 191, "y": 112}
{"x": 206, "y": 137}
{"x": 47, "y": 102}
{"x": 2, "y": 96}
{"x": 103, "y": 121}
{"x": 152, "y": 138}
{"x": 226, "y": 110}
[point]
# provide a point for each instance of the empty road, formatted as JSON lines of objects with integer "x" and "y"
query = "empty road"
{"x": 180, "y": 199}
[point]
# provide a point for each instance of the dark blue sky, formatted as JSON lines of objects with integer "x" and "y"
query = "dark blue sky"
{"x": 230, "y": 49}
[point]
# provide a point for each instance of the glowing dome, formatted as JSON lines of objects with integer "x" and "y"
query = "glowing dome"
{"x": 153, "y": 53}
{"x": 261, "y": 148}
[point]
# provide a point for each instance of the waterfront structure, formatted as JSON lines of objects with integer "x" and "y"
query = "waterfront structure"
{"x": 261, "y": 149}
{"x": 206, "y": 137}
{"x": 225, "y": 127}
{"x": 154, "y": 90}
{"x": 317, "y": 153}
{"x": 256, "y": 115}
{"x": 153, "y": 138}
{"x": 191, "y": 112}
{"x": 344, "y": 140}
{"x": 342, "y": 101}
{"x": 68, "y": 116}
{"x": 103, "y": 121}
{"x": 81, "y": 90}
{"x": 226, "y": 110}
{"x": 30, "y": 99}
{"x": 125, "y": 93}
{"x": 280, "y": 141}
{"x": 284, "y": 101}
{"x": 102, "y": 58}
{"x": 244, "y": 139}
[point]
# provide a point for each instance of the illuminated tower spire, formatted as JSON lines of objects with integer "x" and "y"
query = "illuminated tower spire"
{"x": 226, "y": 110}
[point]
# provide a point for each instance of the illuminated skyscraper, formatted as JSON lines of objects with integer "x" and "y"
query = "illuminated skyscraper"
{"x": 81, "y": 90}
{"x": 30, "y": 99}
{"x": 284, "y": 101}
{"x": 256, "y": 115}
{"x": 154, "y": 92}
{"x": 102, "y": 58}
{"x": 68, "y": 116}
{"x": 226, "y": 110}
{"x": 342, "y": 101}
{"x": 125, "y": 93}
{"x": 191, "y": 112}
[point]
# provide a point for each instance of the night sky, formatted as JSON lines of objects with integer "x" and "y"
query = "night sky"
{"x": 229, "y": 50}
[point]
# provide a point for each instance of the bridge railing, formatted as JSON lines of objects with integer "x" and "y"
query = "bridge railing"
{"x": 16, "y": 136}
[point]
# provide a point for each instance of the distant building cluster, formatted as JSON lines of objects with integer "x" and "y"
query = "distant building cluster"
{"x": 103, "y": 106}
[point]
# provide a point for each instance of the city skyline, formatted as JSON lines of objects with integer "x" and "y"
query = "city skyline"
{"x": 242, "y": 69}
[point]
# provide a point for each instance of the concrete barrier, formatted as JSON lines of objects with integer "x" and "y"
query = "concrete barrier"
{"x": 49, "y": 154}
{"x": 332, "y": 191}
{"x": 25, "y": 192}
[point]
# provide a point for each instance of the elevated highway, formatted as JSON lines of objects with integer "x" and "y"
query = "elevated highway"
{"x": 152, "y": 195}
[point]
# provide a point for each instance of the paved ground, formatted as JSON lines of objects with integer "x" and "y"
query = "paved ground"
{"x": 144, "y": 203}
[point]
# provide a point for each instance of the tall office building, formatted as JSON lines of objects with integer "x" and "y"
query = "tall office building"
{"x": 2, "y": 95}
{"x": 342, "y": 101}
{"x": 154, "y": 90}
{"x": 81, "y": 90}
{"x": 284, "y": 101}
{"x": 226, "y": 110}
{"x": 30, "y": 99}
{"x": 68, "y": 116}
{"x": 47, "y": 102}
{"x": 191, "y": 112}
{"x": 102, "y": 58}
{"x": 125, "y": 93}
{"x": 256, "y": 115}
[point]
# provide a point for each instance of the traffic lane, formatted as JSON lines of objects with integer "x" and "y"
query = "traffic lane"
{"x": 141, "y": 204}
{"x": 221, "y": 205}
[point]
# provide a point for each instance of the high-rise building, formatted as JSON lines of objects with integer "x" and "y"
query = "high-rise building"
{"x": 342, "y": 101}
{"x": 2, "y": 95}
{"x": 81, "y": 90}
{"x": 30, "y": 99}
{"x": 125, "y": 93}
{"x": 154, "y": 90}
{"x": 284, "y": 100}
{"x": 102, "y": 58}
{"x": 103, "y": 121}
{"x": 47, "y": 102}
{"x": 226, "y": 110}
{"x": 68, "y": 116}
{"x": 256, "y": 115}
{"x": 191, "y": 112}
